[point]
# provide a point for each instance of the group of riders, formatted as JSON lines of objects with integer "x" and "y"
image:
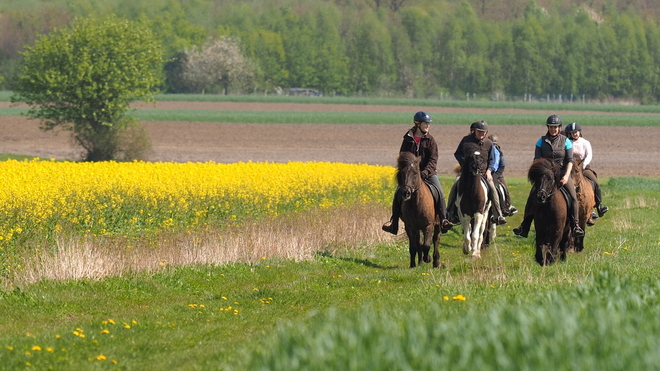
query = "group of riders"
{"x": 561, "y": 147}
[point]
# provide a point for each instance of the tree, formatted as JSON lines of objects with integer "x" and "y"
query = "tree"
{"x": 84, "y": 77}
{"x": 218, "y": 63}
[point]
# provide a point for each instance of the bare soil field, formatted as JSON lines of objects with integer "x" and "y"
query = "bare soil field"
{"x": 619, "y": 151}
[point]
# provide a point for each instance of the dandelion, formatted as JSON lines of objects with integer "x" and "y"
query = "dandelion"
{"x": 36, "y": 348}
{"x": 105, "y": 331}
{"x": 101, "y": 357}
{"x": 445, "y": 297}
{"x": 50, "y": 350}
{"x": 460, "y": 297}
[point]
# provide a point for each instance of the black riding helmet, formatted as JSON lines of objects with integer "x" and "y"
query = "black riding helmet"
{"x": 574, "y": 126}
{"x": 479, "y": 125}
{"x": 422, "y": 116}
{"x": 553, "y": 120}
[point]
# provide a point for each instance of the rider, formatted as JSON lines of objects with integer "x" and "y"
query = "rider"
{"x": 478, "y": 131}
{"x": 582, "y": 151}
{"x": 419, "y": 141}
{"x": 508, "y": 209}
{"x": 555, "y": 146}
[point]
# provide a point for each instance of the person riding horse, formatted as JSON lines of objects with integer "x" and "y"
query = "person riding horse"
{"x": 554, "y": 146}
{"x": 419, "y": 141}
{"x": 500, "y": 164}
{"x": 582, "y": 151}
{"x": 478, "y": 131}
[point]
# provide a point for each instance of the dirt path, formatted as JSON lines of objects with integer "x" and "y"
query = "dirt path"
{"x": 619, "y": 151}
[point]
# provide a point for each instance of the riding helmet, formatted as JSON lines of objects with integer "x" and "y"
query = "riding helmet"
{"x": 553, "y": 120}
{"x": 479, "y": 125}
{"x": 422, "y": 116}
{"x": 574, "y": 126}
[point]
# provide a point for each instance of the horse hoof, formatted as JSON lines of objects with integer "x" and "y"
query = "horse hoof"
{"x": 476, "y": 256}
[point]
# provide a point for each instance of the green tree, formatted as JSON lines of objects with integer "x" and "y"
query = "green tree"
{"x": 84, "y": 77}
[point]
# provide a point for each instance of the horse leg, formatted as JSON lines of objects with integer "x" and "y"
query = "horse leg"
{"x": 467, "y": 231}
{"x": 426, "y": 246}
{"x": 436, "y": 252}
{"x": 478, "y": 234}
{"x": 413, "y": 241}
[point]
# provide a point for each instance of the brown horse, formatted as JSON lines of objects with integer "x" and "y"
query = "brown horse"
{"x": 417, "y": 211}
{"x": 473, "y": 203}
{"x": 586, "y": 201}
{"x": 553, "y": 231}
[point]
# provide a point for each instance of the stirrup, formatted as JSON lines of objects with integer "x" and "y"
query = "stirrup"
{"x": 577, "y": 231}
{"x": 602, "y": 209}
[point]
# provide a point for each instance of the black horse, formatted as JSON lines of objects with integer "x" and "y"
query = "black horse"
{"x": 550, "y": 209}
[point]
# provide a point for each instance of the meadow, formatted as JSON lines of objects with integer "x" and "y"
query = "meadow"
{"x": 283, "y": 266}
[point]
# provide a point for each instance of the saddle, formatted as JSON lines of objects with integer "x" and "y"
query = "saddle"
{"x": 567, "y": 197}
{"x": 434, "y": 191}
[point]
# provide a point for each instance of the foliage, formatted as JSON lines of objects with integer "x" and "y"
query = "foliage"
{"x": 598, "y": 50}
{"x": 218, "y": 63}
{"x": 84, "y": 77}
{"x": 44, "y": 200}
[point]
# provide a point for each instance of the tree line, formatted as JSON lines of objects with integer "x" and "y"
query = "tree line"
{"x": 431, "y": 49}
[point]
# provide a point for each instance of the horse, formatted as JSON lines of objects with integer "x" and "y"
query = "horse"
{"x": 417, "y": 211}
{"x": 586, "y": 201}
{"x": 550, "y": 209}
{"x": 473, "y": 203}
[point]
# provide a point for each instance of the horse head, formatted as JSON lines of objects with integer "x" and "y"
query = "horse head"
{"x": 408, "y": 174}
{"x": 544, "y": 174}
{"x": 473, "y": 161}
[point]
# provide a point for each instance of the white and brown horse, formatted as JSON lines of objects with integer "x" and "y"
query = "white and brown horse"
{"x": 473, "y": 202}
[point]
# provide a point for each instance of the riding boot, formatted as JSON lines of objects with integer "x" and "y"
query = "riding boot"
{"x": 577, "y": 230}
{"x": 600, "y": 207}
{"x": 441, "y": 210}
{"x": 452, "y": 213}
{"x": 523, "y": 229}
{"x": 393, "y": 225}
{"x": 498, "y": 218}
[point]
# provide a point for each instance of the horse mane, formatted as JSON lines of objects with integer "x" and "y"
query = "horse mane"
{"x": 404, "y": 161}
{"x": 543, "y": 167}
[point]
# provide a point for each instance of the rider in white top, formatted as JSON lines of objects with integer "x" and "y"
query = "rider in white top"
{"x": 582, "y": 151}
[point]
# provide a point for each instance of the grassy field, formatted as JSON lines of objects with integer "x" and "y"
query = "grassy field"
{"x": 349, "y": 302}
{"x": 358, "y": 306}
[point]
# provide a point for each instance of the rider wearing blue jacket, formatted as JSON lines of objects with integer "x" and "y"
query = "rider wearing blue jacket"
{"x": 554, "y": 146}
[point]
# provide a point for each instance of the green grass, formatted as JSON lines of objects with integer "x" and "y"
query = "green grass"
{"x": 361, "y": 307}
{"x": 413, "y": 103}
{"x": 332, "y": 117}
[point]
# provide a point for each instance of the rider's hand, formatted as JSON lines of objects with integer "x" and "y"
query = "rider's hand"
{"x": 564, "y": 179}
{"x": 489, "y": 176}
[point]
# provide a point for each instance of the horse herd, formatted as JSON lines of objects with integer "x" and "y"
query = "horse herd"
{"x": 547, "y": 202}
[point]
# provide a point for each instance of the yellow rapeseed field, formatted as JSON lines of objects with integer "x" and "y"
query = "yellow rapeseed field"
{"x": 41, "y": 199}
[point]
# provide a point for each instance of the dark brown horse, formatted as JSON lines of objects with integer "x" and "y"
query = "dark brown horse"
{"x": 553, "y": 232}
{"x": 473, "y": 203}
{"x": 586, "y": 201}
{"x": 417, "y": 211}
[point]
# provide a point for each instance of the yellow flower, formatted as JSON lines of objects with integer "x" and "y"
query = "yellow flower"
{"x": 460, "y": 297}
{"x": 101, "y": 357}
{"x": 105, "y": 331}
{"x": 36, "y": 348}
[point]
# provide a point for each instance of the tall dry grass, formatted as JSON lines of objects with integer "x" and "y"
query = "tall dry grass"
{"x": 297, "y": 236}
